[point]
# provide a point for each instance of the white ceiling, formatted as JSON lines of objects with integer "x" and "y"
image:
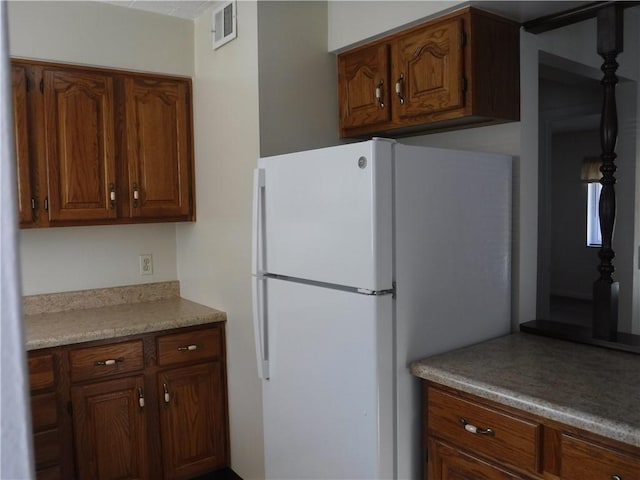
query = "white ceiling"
{"x": 519, "y": 10}
{"x": 176, "y": 8}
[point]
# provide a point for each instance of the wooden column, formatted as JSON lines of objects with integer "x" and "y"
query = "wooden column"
{"x": 605, "y": 289}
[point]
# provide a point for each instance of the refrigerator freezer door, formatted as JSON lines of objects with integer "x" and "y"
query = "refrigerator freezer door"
{"x": 327, "y": 215}
{"x": 328, "y": 404}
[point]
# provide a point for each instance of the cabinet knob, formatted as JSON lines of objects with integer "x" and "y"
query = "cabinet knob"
{"x": 166, "y": 394}
{"x": 400, "y": 88}
{"x": 140, "y": 398}
{"x": 477, "y": 430}
{"x": 109, "y": 362}
{"x": 136, "y": 195}
{"x": 380, "y": 94}
{"x": 112, "y": 195}
{"x": 188, "y": 348}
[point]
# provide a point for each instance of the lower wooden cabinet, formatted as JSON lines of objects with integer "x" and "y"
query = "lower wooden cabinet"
{"x": 145, "y": 407}
{"x": 448, "y": 463}
{"x": 467, "y": 437}
{"x": 110, "y": 429}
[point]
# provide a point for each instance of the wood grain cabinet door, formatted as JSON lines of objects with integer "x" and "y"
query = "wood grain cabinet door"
{"x": 363, "y": 86}
{"x": 193, "y": 421}
{"x": 110, "y": 429}
{"x": 428, "y": 70}
{"x": 21, "y": 139}
{"x": 447, "y": 463}
{"x": 158, "y": 147}
{"x": 79, "y": 131}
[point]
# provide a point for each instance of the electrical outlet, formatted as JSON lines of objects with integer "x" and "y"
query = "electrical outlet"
{"x": 146, "y": 264}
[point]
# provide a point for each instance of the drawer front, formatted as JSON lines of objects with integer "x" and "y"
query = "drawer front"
{"x": 582, "y": 459}
{"x": 449, "y": 463}
{"x": 41, "y": 371}
{"x": 46, "y": 447}
{"x": 184, "y": 347}
{"x": 483, "y": 430}
{"x": 44, "y": 413}
{"x": 106, "y": 360}
{"x": 53, "y": 473}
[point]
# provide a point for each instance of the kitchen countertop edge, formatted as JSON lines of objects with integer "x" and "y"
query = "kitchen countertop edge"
{"x": 47, "y": 330}
{"x": 451, "y": 370}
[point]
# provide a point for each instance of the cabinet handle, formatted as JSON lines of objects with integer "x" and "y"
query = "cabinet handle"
{"x": 140, "y": 398}
{"x": 616, "y": 477}
{"x": 166, "y": 395}
{"x": 112, "y": 195}
{"x": 379, "y": 94}
{"x": 187, "y": 348}
{"x": 400, "y": 88}
{"x": 111, "y": 361}
{"x": 136, "y": 195}
{"x": 473, "y": 429}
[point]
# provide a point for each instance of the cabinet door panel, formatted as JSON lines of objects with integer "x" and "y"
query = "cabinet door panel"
{"x": 193, "y": 420}
{"x": 21, "y": 139}
{"x": 583, "y": 460}
{"x": 446, "y": 463}
{"x": 429, "y": 66}
{"x": 363, "y": 81}
{"x": 79, "y": 130}
{"x": 158, "y": 147}
{"x": 110, "y": 430}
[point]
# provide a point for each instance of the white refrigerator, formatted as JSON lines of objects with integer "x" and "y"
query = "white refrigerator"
{"x": 366, "y": 257}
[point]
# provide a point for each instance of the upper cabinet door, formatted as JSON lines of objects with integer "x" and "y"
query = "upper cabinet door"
{"x": 363, "y": 86}
{"x": 158, "y": 147}
{"x": 428, "y": 70}
{"x": 20, "y": 126}
{"x": 79, "y": 139}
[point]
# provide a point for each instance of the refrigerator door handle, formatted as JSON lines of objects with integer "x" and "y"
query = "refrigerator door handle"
{"x": 260, "y": 326}
{"x": 257, "y": 247}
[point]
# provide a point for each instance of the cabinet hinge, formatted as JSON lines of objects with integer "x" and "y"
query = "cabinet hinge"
{"x": 463, "y": 38}
{"x": 28, "y": 83}
{"x": 463, "y": 84}
{"x": 46, "y": 204}
{"x": 42, "y": 85}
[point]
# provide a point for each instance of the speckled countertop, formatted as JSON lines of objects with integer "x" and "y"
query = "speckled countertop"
{"x": 587, "y": 387}
{"x": 72, "y": 317}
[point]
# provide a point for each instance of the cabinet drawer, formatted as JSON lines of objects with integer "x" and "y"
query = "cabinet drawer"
{"x": 44, "y": 413}
{"x": 41, "y": 371}
{"x": 184, "y": 347}
{"x": 106, "y": 360}
{"x": 483, "y": 430}
{"x": 46, "y": 447}
{"x": 582, "y": 459}
{"x": 449, "y": 463}
{"x": 53, "y": 473}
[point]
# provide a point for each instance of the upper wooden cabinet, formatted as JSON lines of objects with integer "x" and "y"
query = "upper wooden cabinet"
{"x": 456, "y": 71}
{"x": 158, "y": 147}
{"x": 104, "y": 146}
{"x": 79, "y": 144}
{"x": 19, "y": 82}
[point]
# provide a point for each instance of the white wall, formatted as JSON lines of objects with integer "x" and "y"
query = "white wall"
{"x": 353, "y": 22}
{"x": 214, "y": 252}
{"x": 78, "y": 258}
{"x": 298, "y": 78}
{"x": 271, "y": 90}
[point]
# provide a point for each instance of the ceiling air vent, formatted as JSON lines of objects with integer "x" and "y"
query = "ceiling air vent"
{"x": 224, "y": 24}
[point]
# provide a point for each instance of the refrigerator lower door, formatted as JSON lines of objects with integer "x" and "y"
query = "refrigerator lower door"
{"x": 328, "y": 403}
